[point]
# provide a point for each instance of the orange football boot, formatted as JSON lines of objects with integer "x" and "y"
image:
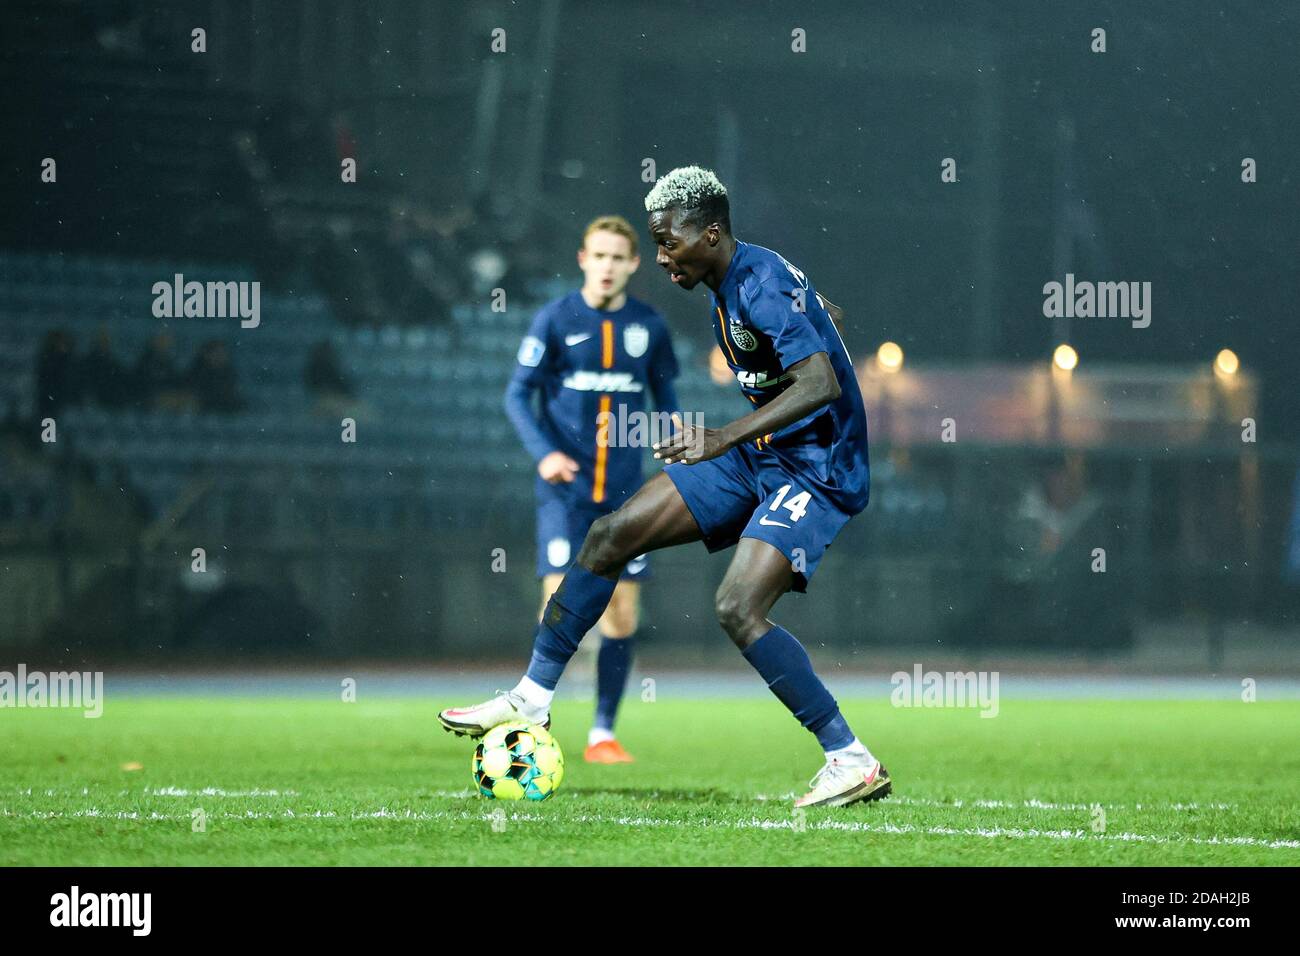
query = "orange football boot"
{"x": 607, "y": 751}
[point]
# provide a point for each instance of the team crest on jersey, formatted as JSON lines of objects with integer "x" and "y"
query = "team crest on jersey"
{"x": 557, "y": 552}
{"x": 636, "y": 339}
{"x": 531, "y": 350}
{"x": 743, "y": 338}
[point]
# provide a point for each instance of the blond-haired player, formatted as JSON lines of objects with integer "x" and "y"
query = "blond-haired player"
{"x": 593, "y": 355}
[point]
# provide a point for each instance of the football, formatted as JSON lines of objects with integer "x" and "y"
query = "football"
{"x": 517, "y": 761}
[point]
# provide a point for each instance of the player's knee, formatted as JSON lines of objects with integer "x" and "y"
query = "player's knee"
{"x": 737, "y": 614}
{"x": 604, "y": 549}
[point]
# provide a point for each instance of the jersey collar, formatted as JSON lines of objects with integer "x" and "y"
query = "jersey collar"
{"x": 588, "y": 311}
{"x": 728, "y": 280}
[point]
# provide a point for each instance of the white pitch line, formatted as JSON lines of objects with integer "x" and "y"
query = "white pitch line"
{"x": 1042, "y": 805}
{"x": 170, "y": 792}
{"x": 217, "y": 792}
{"x": 956, "y": 804}
{"x": 949, "y": 804}
{"x": 1017, "y": 833}
{"x": 900, "y": 800}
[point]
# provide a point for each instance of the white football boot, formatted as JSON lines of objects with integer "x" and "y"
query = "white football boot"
{"x": 841, "y": 782}
{"x": 503, "y": 708}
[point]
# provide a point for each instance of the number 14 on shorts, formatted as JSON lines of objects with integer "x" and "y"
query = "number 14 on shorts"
{"x": 797, "y": 506}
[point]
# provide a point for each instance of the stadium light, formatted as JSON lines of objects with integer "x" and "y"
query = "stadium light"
{"x": 889, "y": 356}
{"x": 1065, "y": 358}
{"x": 1226, "y": 363}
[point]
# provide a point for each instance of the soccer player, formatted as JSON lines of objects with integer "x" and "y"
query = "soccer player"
{"x": 778, "y": 483}
{"x": 593, "y": 354}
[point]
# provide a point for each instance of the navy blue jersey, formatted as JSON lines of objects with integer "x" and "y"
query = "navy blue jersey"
{"x": 767, "y": 317}
{"x": 587, "y": 363}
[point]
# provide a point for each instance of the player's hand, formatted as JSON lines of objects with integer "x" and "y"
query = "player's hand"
{"x": 691, "y": 443}
{"x": 557, "y": 467}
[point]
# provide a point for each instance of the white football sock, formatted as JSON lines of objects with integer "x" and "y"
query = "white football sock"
{"x": 534, "y": 694}
{"x": 598, "y": 735}
{"x": 855, "y": 752}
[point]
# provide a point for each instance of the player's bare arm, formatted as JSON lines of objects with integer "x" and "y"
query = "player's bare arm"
{"x": 813, "y": 385}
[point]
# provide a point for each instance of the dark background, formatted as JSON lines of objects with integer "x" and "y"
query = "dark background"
{"x": 479, "y": 170}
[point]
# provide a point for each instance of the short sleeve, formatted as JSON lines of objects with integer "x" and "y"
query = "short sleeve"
{"x": 773, "y": 310}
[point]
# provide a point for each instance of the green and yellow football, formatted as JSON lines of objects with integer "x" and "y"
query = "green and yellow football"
{"x": 517, "y": 761}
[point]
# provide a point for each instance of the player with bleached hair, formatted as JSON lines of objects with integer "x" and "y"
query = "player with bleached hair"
{"x": 778, "y": 483}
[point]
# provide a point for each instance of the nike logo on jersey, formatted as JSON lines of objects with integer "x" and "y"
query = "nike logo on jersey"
{"x": 763, "y": 520}
{"x": 577, "y": 339}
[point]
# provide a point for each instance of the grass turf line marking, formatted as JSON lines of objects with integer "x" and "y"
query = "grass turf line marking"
{"x": 173, "y": 792}
{"x": 1017, "y": 833}
{"x": 943, "y": 804}
{"x": 1032, "y": 804}
{"x": 957, "y": 804}
{"x": 1071, "y": 807}
{"x": 216, "y": 792}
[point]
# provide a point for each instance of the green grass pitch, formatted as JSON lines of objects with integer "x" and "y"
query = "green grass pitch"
{"x": 293, "y": 781}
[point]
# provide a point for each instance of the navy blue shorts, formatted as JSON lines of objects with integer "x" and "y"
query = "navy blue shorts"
{"x": 748, "y": 493}
{"x": 561, "y": 529}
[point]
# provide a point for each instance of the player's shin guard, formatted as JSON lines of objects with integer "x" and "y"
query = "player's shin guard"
{"x": 784, "y": 664}
{"x": 613, "y": 663}
{"x": 576, "y": 605}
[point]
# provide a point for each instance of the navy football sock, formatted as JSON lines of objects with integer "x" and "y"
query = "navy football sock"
{"x": 575, "y": 606}
{"x": 784, "y": 664}
{"x": 613, "y": 663}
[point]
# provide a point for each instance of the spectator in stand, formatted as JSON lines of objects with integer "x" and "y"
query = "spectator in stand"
{"x": 104, "y": 380}
{"x": 56, "y": 378}
{"x": 158, "y": 381}
{"x": 212, "y": 380}
{"x": 328, "y": 384}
